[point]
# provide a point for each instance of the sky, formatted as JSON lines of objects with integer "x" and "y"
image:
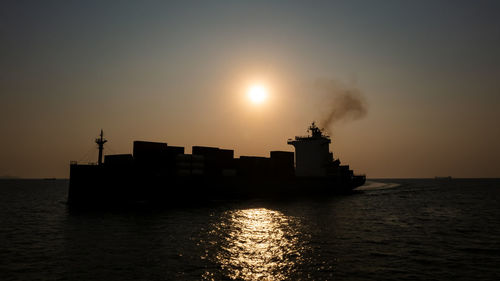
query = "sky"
{"x": 178, "y": 72}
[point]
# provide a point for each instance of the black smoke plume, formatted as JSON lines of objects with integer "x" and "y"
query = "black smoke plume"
{"x": 344, "y": 103}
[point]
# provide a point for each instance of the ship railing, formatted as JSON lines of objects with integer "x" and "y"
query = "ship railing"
{"x": 302, "y": 137}
{"x": 299, "y": 138}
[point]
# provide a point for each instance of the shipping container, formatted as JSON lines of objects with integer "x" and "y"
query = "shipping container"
{"x": 118, "y": 160}
{"x": 254, "y": 166}
{"x": 282, "y": 164}
{"x": 149, "y": 154}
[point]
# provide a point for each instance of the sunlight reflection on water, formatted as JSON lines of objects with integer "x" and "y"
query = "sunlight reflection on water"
{"x": 258, "y": 244}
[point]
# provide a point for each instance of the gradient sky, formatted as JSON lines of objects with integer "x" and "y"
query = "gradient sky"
{"x": 177, "y": 72}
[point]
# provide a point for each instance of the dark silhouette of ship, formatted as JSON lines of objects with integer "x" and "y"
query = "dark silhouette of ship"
{"x": 157, "y": 173}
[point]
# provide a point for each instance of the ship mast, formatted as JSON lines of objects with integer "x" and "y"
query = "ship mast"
{"x": 315, "y": 131}
{"x": 100, "y": 143}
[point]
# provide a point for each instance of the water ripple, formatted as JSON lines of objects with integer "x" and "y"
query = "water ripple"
{"x": 257, "y": 244}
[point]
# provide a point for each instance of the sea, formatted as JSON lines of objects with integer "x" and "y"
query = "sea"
{"x": 390, "y": 229}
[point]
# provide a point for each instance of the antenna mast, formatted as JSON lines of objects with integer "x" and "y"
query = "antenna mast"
{"x": 100, "y": 143}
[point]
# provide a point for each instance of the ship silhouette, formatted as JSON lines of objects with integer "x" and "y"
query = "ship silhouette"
{"x": 157, "y": 173}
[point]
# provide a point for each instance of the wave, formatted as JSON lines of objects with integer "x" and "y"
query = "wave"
{"x": 376, "y": 185}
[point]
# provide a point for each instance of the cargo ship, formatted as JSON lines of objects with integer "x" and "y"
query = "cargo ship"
{"x": 157, "y": 173}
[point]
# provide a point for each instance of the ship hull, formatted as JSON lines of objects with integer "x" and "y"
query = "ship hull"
{"x": 95, "y": 186}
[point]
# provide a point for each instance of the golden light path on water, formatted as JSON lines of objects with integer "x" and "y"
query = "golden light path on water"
{"x": 258, "y": 244}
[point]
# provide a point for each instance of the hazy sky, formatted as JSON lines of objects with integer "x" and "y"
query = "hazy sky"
{"x": 178, "y": 71}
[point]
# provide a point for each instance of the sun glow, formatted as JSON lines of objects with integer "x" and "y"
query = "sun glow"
{"x": 258, "y": 244}
{"x": 257, "y": 93}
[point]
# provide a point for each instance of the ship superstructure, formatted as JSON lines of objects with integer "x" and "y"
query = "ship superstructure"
{"x": 160, "y": 173}
{"x": 312, "y": 154}
{"x": 314, "y": 159}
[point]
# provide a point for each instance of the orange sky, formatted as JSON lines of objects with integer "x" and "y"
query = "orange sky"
{"x": 178, "y": 73}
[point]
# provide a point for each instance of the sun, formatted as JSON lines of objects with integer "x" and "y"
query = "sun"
{"x": 257, "y": 93}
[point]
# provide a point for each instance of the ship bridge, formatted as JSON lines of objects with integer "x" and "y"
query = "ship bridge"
{"x": 312, "y": 154}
